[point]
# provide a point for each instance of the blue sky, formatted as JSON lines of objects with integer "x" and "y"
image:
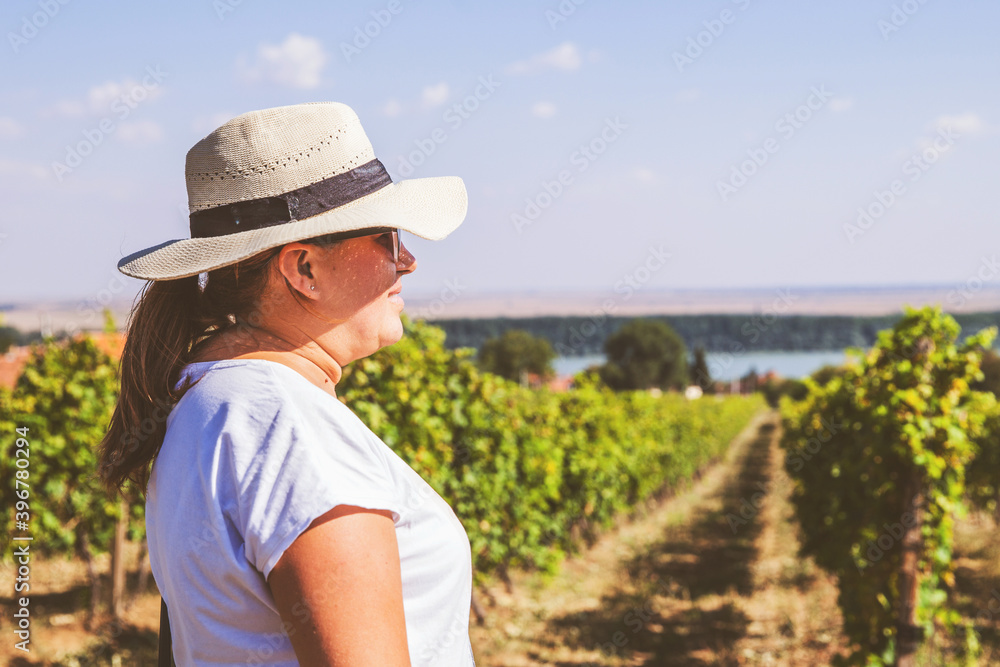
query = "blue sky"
{"x": 741, "y": 138}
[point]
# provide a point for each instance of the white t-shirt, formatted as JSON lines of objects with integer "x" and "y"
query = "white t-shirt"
{"x": 253, "y": 454}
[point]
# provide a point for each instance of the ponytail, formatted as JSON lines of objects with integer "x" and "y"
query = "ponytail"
{"x": 169, "y": 323}
{"x": 163, "y": 328}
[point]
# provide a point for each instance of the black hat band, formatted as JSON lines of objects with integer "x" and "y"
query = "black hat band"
{"x": 290, "y": 206}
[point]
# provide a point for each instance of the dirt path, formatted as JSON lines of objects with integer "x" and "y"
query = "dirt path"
{"x": 796, "y": 620}
{"x": 708, "y": 578}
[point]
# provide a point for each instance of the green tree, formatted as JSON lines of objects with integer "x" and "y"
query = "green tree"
{"x": 878, "y": 457}
{"x": 774, "y": 388}
{"x": 983, "y": 474}
{"x": 823, "y": 375}
{"x": 699, "y": 373}
{"x": 644, "y": 354}
{"x": 63, "y": 400}
{"x": 991, "y": 373}
{"x": 515, "y": 352}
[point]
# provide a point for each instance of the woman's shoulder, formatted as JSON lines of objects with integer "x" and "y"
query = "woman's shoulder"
{"x": 265, "y": 415}
{"x": 261, "y": 390}
{"x": 248, "y": 402}
{"x": 260, "y": 398}
{"x": 255, "y": 381}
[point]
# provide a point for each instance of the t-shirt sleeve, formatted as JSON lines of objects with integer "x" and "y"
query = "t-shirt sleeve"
{"x": 289, "y": 467}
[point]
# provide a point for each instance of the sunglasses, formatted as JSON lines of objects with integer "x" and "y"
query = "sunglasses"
{"x": 391, "y": 232}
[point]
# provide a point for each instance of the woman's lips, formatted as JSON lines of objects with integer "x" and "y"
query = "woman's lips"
{"x": 394, "y": 295}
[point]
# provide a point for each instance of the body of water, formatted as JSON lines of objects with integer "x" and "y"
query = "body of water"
{"x": 723, "y": 366}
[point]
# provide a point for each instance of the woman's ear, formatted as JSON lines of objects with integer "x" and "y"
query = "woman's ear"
{"x": 295, "y": 264}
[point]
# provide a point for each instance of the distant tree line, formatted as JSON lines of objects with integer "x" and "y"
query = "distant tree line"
{"x": 582, "y": 335}
{"x": 10, "y": 336}
{"x": 586, "y": 335}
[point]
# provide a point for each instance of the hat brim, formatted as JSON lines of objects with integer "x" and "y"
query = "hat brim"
{"x": 431, "y": 208}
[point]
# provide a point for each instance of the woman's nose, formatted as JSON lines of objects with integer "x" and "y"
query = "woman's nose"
{"x": 407, "y": 262}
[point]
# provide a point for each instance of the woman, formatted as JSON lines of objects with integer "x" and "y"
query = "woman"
{"x": 281, "y": 530}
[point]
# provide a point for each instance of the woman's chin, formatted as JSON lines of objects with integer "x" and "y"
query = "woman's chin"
{"x": 393, "y": 332}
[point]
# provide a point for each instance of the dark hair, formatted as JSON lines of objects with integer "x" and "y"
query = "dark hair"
{"x": 170, "y": 322}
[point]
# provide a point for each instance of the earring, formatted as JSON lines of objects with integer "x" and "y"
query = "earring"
{"x": 312, "y": 287}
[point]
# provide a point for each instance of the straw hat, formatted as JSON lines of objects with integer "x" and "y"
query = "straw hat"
{"x": 280, "y": 175}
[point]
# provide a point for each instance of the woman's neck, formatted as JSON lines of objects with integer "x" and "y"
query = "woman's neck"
{"x": 242, "y": 341}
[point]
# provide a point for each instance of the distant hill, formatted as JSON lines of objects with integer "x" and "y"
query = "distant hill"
{"x": 451, "y": 303}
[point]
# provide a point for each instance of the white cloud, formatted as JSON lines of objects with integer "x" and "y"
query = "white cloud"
{"x": 9, "y": 128}
{"x": 435, "y": 95}
{"x": 951, "y": 129}
{"x": 566, "y": 56}
{"x": 392, "y": 108}
{"x": 543, "y": 110}
{"x": 105, "y": 98}
{"x": 963, "y": 124}
{"x": 126, "y": 92}
{"x": 66, "y": 109}
{"x": 102, "y": 96}
{"x": 841, "y": 104}
{"x": 297, "y": 62}
{"x": 140, "y": 132}
{"x": 690, "y": 95}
